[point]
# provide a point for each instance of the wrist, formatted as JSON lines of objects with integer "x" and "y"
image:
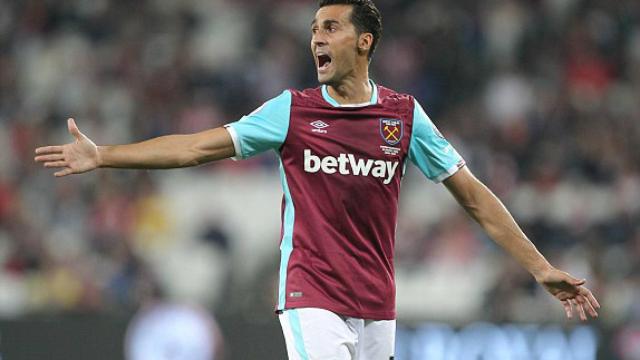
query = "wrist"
{"x": 541, "y": 271}
{"x": 100, "y": 150}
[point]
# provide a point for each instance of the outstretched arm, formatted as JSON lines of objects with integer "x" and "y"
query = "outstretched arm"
{"x": 485, "y": 208}
{"x": 165, "y": 152}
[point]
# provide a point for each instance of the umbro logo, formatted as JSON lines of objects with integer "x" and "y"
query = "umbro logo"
{"x": 319, "y": 126}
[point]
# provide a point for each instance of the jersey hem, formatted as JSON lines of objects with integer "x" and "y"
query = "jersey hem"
{"x": 445, "y": 175}
{"x": 375, "y": 315}
{"x": 236, "y": 142}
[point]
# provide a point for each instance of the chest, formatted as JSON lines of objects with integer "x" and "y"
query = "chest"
{"x": 369, "y": 132}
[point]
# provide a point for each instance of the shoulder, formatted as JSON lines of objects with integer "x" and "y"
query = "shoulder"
{"x": 307, "y": 97}
{"x": 310, "y": 93}
{"x": 402, "y": 103}
{"x": 386, "y": 95}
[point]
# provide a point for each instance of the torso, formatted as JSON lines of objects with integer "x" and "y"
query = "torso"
{"x": 343, "y": 167}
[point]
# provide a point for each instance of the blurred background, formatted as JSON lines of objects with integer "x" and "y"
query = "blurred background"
{"x": 541, "y": 97}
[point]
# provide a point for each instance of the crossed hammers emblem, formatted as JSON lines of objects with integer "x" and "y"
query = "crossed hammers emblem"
{"x": 391, "y": 133}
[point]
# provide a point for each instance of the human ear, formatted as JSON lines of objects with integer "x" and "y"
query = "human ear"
{"x": 364, "y": 42}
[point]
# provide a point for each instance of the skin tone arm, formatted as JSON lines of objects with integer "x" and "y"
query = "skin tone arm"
{"x": 165, "y": 152}
{"x": 486, "y": 209}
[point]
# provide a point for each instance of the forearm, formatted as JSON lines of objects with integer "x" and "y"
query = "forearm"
{"x": 488, "y": 211}
{"x": 166, "y": 152}
{"x": 496, "y": 220}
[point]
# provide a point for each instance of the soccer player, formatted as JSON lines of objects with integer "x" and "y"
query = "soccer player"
{"x": 343, "y": 148}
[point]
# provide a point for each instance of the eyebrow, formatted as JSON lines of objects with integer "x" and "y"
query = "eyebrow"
{"x": 326, "y": 22}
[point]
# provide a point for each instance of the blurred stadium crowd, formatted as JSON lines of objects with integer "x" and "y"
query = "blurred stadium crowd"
{"x": 540, "y": 96}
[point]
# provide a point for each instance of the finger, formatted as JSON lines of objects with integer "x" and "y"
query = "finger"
{"x": 581, "y": 312}
{"x": 53, "y": 157}
{"x": 587, "y": 305}
{"x": 65, "y": 172}
{"x": 592, "y": 299}
{"x": 56, "y": 164}
{"x": 576, "y": 282}
{"x": 570, "y": 305}
{"x": 567, "y": 309}
{"x": 73, "y": 129}
{"x": 49, "y": 150}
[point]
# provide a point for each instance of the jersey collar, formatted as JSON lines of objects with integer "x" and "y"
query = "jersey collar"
{"x": 334, "y": 103}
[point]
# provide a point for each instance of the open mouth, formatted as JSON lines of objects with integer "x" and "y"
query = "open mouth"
{"x": 323, "y": 61}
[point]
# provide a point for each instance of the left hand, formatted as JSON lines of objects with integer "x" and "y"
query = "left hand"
{"x": 571, "y": 292}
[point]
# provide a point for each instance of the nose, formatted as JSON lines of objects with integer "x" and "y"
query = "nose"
{"x": 318, "y": 39}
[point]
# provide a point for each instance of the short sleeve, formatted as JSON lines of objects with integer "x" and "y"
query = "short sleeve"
{"x": 430, "y": 151}
{"x": 264, "y": 129}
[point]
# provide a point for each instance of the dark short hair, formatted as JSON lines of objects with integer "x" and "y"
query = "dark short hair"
{"x": 365, "y": 17}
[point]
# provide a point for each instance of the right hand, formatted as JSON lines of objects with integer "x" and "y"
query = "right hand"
{"x": 74, "y": 158}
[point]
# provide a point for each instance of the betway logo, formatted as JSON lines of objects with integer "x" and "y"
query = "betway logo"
{"x": 347, "y": 164}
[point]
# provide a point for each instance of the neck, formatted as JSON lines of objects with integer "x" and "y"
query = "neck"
{"x": 355, "y": 89}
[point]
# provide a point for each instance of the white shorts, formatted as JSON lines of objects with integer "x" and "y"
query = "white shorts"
{"x": 317, "y": 334}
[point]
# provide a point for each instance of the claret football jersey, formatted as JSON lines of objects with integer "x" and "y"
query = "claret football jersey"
{"x": 341, "y": 168}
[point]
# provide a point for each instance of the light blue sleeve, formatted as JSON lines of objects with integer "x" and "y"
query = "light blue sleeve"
{"x": 430, "y": 151}
{"x": 264, "y": 129}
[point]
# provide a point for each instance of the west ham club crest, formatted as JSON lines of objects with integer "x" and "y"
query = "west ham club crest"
{"x": 391, "y": 130}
